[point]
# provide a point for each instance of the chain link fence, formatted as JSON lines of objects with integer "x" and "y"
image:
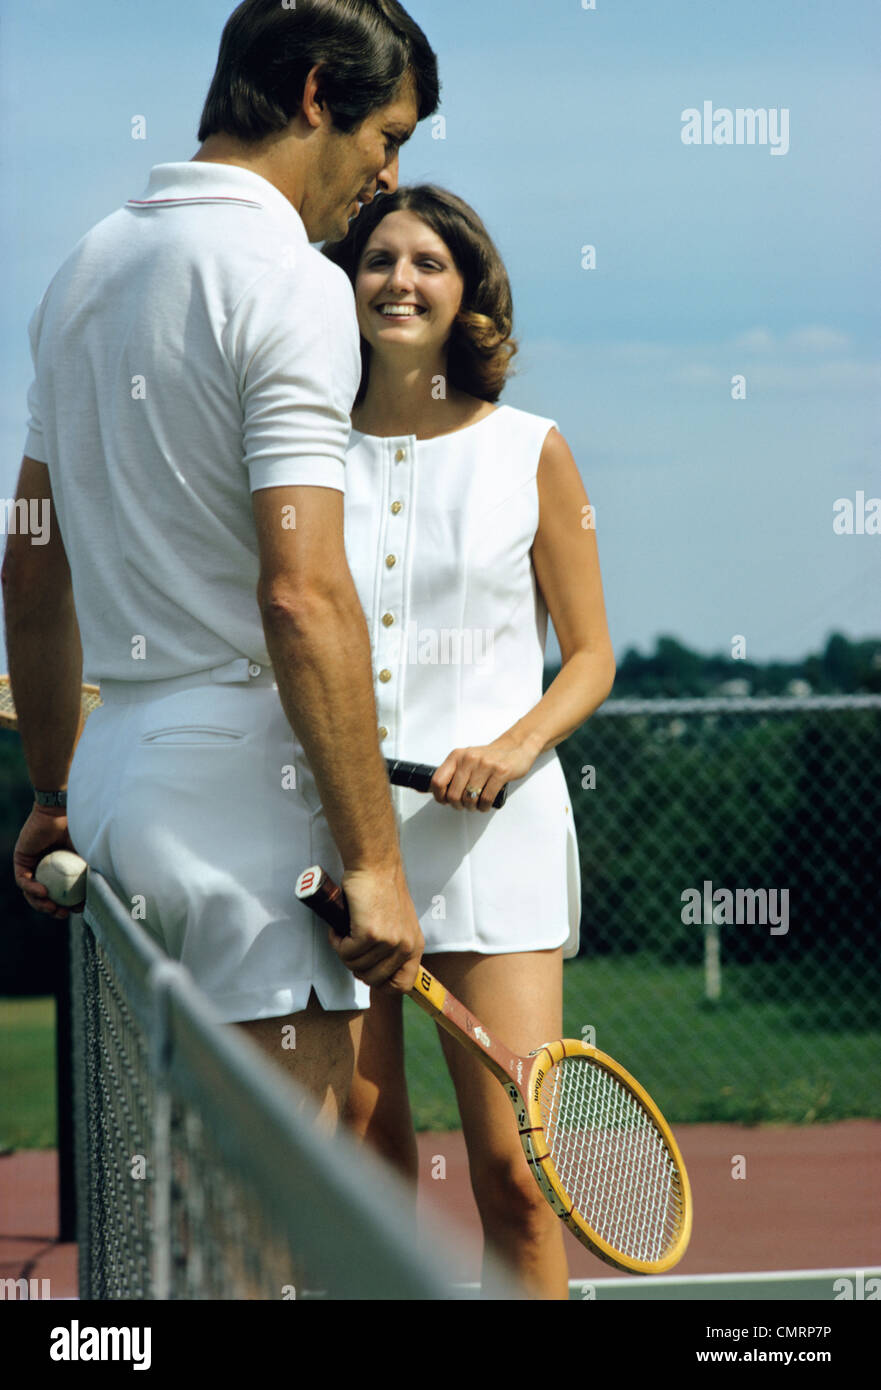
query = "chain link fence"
{"x": 731, "y": 905}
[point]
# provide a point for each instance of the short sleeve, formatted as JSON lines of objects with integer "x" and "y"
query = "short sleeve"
{"x": 294, "y": 346}
{"x": 35, "y": 446}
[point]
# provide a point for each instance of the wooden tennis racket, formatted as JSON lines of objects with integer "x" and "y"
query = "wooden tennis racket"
{"x": 598, "y": 1146}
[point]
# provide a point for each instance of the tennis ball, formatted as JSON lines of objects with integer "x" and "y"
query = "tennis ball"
{"x": 63, "y": 875}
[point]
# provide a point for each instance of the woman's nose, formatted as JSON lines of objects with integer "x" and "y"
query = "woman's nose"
{"x": 400, "y": 278}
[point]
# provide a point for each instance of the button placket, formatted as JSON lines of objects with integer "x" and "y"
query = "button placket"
{"x": 389, "y": 653}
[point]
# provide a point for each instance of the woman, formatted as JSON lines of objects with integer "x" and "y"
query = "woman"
{"x": 466, "y": 524}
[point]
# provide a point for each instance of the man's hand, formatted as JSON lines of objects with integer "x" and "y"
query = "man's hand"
{"x": 386, "y": 942}
{"x": 41, "y": 833}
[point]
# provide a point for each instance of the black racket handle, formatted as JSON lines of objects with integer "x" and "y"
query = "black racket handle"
{"x": 418, "y": 777}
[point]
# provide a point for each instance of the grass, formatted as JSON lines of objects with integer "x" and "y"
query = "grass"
{"x": 755, "y": 1057}
{"x": 27, "y": 1074}
{"x": 791, "y": 1048}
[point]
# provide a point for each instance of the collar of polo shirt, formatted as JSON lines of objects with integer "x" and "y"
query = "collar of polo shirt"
{"x": 207, "y": 183}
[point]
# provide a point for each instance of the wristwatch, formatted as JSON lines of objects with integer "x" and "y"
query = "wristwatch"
{"x": 51, "y": 798}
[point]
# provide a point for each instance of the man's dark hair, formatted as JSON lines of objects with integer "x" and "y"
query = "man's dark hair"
{"x": 364, "y": 48}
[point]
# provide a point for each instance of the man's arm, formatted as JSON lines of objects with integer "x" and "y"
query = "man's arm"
{"x": 320, "y": 650}
{"x": 45, "y": 668}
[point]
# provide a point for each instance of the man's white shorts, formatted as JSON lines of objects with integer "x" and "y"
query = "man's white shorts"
{"x": 194, "y": 796}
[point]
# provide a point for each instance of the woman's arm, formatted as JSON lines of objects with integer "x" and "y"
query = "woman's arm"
{"x": 567, "y": 568}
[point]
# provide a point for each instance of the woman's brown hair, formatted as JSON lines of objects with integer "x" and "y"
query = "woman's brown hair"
{"x": 480, "y": 347}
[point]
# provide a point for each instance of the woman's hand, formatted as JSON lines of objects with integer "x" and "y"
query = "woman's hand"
{"x": 484, "y": 770}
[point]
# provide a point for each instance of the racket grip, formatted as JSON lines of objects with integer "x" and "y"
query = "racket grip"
{"x": 327, "y": 900}
{"x": 418, "y": 777}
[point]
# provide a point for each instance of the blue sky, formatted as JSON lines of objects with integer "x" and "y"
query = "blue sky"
{"x": 563, "y": 128}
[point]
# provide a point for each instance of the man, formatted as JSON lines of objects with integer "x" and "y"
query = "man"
{"x": 195, "y": 364}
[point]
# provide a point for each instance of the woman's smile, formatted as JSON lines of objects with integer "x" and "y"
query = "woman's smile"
{"x": 400, "y": 311}
{"x": 406, "y": 274}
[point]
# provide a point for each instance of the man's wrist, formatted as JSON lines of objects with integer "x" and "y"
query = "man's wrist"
{"x": 389, "y": 868}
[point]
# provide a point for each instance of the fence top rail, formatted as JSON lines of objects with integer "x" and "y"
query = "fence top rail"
{"x": 739, "y": 704}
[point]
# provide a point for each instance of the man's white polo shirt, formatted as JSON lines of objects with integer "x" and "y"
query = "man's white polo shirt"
{"x": 193, "y": 349}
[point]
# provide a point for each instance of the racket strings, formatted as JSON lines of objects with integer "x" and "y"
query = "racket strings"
{"x": 612, "y": 1159}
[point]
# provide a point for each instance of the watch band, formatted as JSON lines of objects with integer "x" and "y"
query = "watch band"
{"x": 51, "y": 798}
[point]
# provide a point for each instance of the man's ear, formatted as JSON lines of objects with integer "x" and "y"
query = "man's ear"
{"x": 313, "y": 103}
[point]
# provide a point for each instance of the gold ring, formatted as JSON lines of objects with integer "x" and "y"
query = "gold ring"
{"x": 473, "y": 793}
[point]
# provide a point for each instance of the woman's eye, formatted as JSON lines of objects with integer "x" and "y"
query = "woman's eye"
{"x": 377, "y": 261}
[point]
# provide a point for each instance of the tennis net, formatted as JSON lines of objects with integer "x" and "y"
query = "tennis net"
{"x": 197, "y": 1175}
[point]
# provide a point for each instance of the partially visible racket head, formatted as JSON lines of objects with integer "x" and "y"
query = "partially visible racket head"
{"x": 90, "y": 699}
{"x": 605, "y": 1158}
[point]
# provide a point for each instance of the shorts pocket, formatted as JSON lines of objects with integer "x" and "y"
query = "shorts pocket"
{"x": 193, "y": 736}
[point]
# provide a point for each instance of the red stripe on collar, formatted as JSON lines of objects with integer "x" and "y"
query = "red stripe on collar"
{"x": 206, "y": 198}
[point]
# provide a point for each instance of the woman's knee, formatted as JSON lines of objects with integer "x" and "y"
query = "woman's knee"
{"x": 389, "y": 1133}
{"x": 506, "y": 1191}
{"x": 378, "y": 1113}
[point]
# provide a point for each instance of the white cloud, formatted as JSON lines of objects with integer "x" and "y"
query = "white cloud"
{"x": 755, "y": 340}
{"x": 807, "y": 361}
{"x": 819, "y": 339}
{"x": 816, "y": 338}
{"x": 699, "y": 374}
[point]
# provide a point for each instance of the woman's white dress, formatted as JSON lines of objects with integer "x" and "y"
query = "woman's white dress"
{"x": 438, "y": 535}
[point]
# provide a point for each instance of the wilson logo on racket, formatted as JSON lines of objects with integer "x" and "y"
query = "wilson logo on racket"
{"x": 307, "y": 881}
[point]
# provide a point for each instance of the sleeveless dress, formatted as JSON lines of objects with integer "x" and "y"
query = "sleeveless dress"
{"x": 438, "y": 536}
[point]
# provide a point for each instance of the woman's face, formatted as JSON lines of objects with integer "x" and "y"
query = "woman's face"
{"x": 408, "y": 289}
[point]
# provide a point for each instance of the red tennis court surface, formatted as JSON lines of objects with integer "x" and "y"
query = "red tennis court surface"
{"x": 810, "y": 1199}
